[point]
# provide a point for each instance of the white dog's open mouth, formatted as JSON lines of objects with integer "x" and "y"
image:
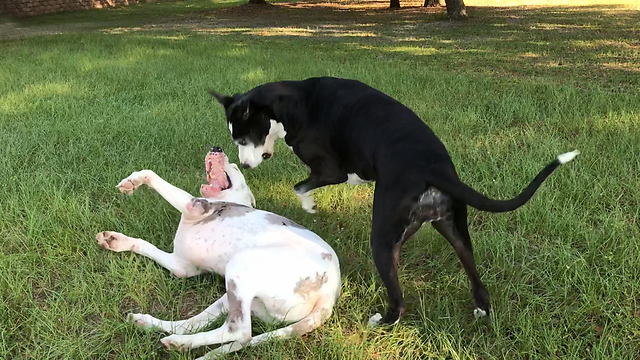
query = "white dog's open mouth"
{"x": 217, "y": 179}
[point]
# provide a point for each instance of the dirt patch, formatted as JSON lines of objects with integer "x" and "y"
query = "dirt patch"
{"x": 189, "y": 305}
{"x": 14, "y": 30}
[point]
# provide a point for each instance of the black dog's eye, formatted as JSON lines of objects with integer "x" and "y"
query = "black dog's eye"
{"x": 242, "y": 142}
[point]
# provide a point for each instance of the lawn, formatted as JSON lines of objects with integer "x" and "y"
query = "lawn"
{"x": 86, "y": 98}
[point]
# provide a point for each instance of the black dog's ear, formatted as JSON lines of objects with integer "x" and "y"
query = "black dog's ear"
{"x": 248, "y": 109}
{"x": 225, "y": 100}
{"x": 245, "y": 107}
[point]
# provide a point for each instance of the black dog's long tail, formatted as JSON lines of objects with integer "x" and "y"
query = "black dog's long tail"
{"x": 463, "y": 193}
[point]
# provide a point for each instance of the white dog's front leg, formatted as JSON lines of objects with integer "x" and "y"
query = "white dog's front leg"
{"x": 183, "y": 326}
{"x": 177, "y": 197}
{"x": 119, "y": 242}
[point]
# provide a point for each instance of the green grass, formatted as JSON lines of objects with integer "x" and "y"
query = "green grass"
{"x": 81, "y": 107}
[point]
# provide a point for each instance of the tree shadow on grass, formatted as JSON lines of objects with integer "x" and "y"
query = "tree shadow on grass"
{"x": 589, "y": 45}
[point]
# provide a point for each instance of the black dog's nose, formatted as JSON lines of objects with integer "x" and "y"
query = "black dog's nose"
{"x": 266, "y": 156}
{"x": 245, "y": 166}
{"x": 216, "y": 149}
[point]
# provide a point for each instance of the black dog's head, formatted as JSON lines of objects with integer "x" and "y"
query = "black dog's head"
{"x": 251, "y": 126}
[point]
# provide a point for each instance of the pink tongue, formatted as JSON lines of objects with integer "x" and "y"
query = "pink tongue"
{"x": 209, "y": 191}
{"x": 216, "y": 177}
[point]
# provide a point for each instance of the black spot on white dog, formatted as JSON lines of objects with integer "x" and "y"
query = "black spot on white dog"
{"x": 281, "y": 220}
{"x": 235, "y": 315}
{"x": 223, "y": 210}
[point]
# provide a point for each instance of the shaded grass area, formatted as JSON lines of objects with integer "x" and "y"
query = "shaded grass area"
{"x": 134, "y": 13}
{"x": 506, "y": 91}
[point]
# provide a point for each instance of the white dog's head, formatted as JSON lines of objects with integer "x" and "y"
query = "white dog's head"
{"x": 252, "y": 128}
{"x": 225, "y": 182}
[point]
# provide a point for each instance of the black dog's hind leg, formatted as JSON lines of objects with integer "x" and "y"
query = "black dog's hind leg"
{"x": 392, "y": 225}
{"x": 385, "y": 247}
{"x": 454, "y": 228}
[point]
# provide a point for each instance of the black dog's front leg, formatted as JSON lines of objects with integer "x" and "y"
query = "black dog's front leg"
{"x": 305, "y": 188}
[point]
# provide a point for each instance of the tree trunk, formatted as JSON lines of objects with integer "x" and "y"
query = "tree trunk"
{"x": 258, "y": 2}
{"x": 395, "y": 4}
{"x": 431, "y": 3}
{"x": 456, "y": 10}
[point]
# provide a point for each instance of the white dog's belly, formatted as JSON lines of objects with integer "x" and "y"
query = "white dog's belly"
{"x": 284, "y": 295}
{"x": 207, "y": 248}
{"x": 273, "y": 310}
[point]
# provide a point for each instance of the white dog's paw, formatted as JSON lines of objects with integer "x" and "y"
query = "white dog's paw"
{"x": 222, "y": 350}
{"x": 115, "y": 241}
{"x": 479, "y": 313}
{"x": 375, "y": 320}
{"x": 177, "y": 342}
{"x": 210, "y": 356}
{"x": 133, "y": 181}
{"x": 308, "y": 204}
{"x": 143, "y": 321}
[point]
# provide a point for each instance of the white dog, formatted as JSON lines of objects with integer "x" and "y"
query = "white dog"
{"x": 274, "y": 268}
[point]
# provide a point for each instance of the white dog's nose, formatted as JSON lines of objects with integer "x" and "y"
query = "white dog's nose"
{"x": 245, "y": 166}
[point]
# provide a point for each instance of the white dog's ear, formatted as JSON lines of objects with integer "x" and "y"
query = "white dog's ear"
{"x": 225, "y": 100}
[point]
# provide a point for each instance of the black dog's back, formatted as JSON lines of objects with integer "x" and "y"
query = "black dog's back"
{"x": 374, "y": 136}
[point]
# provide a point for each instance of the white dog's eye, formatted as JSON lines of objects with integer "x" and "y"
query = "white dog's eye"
{"x": 242, "y": 142}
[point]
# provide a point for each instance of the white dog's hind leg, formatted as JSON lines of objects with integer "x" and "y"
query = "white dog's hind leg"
{"x": 177, "y": 197}
{"x": 317, "y": 317}
{"x": 181, "y": 327}
{"x": 119, "y": 242}
{"x": 237, "y": 326}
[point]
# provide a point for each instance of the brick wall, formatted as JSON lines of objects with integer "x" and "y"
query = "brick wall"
{"x": 23, "y": 8}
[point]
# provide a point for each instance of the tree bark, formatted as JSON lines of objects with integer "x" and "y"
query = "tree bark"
{"x": 258, "y": 2}
{"x": 395, "y": 4}
{"x": 456, "y": 10}
{"x": 431, "y": 3}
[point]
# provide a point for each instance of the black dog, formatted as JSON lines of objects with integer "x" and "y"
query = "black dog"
{"x": 346, "y": 131}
